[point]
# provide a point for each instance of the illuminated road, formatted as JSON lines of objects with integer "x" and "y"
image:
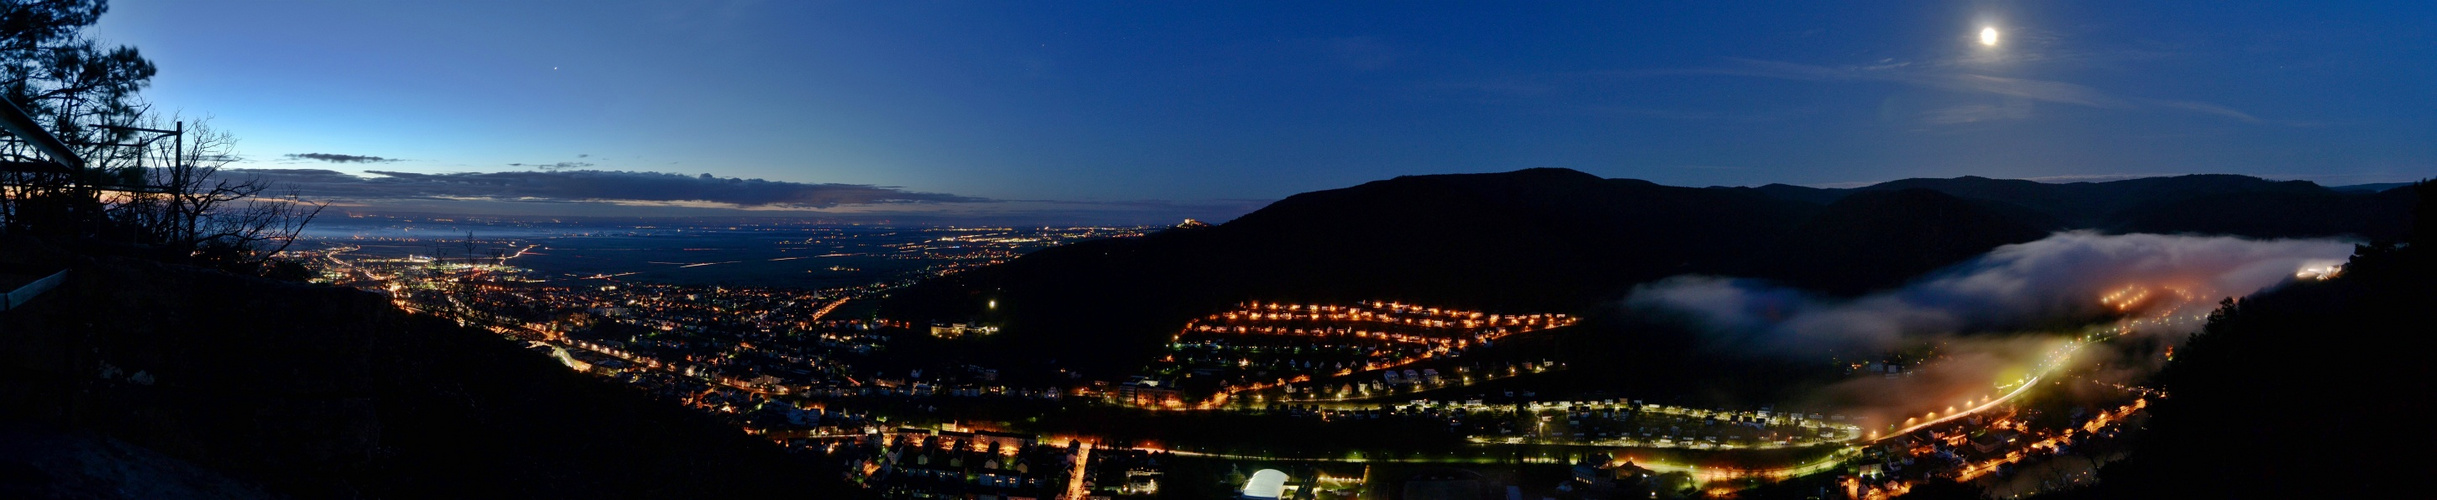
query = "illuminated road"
{"x": 1435, "y": 333}
{"x": 1712, "y": 474}
{"x": 2054, "y": 361}
{"x": 1832, "y": 462}
{"x": 1345, "y": 460}
{"x": 824, "y": 312}
{"x": 1074, "y": 483}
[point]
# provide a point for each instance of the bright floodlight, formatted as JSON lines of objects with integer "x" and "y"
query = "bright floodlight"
{"x": 1988, "y": 36}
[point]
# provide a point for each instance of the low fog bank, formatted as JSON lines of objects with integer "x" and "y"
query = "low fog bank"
{"x": 2061, "y": 278}
{"x": 1961, "y": 330}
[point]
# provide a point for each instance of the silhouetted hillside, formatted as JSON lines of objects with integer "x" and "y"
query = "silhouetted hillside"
{"x": 1542, "y": 239}
{"x": 318, "y": 391}
{"x": 1875, "y": 238}
{"x": 2370, "y": 188}
{"x": 2212, "y": 204}
{"x": 2302, "y": 392}
{"x": 1561, "y": 240}
{"x": 2381, "y": 215}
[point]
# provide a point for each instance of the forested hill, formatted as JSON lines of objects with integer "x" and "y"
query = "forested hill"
{"x": 318, "y": 392}
{"x": 1556, "y": 239}
{"x": 2301, "y": 392}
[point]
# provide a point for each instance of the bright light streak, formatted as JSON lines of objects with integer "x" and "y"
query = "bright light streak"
{"x": 2054, "y": 361}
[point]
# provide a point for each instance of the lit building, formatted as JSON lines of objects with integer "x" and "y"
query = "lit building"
{"x": 1267, "y": 484}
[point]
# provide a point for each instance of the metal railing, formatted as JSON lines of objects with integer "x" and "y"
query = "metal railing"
{"x": 28, "y": 292}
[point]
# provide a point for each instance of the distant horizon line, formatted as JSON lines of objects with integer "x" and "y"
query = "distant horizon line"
{"x": 427, "y": 213}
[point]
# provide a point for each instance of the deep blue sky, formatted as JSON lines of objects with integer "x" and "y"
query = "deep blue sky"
{"x": 1194, "y": 103}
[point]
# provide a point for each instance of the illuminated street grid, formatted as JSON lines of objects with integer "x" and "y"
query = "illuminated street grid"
{"x": 1318, "y": 352}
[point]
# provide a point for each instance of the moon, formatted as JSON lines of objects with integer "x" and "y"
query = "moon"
{"x": 1988, "y": 36}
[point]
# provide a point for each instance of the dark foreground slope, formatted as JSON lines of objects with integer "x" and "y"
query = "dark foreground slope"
{"x": 315, "y": 391}
{"x": 1561, "y": 240}
{"x": 2303, "y": 392}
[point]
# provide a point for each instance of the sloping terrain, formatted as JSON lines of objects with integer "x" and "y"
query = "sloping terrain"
{"x": 2297, "y": 392}
{"x": 1555, "y": 240}
{"x": 317, "y": 391}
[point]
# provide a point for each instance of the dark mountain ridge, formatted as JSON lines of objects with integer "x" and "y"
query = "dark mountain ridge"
{"x": 1563, "y": 240}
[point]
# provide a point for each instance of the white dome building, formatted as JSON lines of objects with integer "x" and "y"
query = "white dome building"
{"x": 1268, "y": 484}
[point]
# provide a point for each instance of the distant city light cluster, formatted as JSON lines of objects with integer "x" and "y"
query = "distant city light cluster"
{"x": 1300, "y": 343}
{"x": 781, "y": 364}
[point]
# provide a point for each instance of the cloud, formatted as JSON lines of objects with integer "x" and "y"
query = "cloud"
{"x": 628, "y": 188}
{"x": 339, "y": 158}
{"x": 2203, "y": 107}
{"x": 1711, "y": 116}
{"x": 2038, "y": 90}
{"x": 1962, "y": 331}
{"x": 2059, "y": 278}
{"x": 1963, "y": 371}
{"x": 1905, "y": 73}
{"x": 2011, "y": 109}
{"x": 564, "y": 165}
{"x": 1938, "y": 76}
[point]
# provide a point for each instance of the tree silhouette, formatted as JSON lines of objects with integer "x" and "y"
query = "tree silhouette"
{"x": 126, "y": 186}
{"x": 2297, "y": 392}
{"x": 81, "y": 92}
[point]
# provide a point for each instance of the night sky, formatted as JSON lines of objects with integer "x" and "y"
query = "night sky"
{"x": 1211, "y": 109}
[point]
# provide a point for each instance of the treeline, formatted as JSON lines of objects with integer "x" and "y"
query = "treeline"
{"x": 87, "y": 163}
